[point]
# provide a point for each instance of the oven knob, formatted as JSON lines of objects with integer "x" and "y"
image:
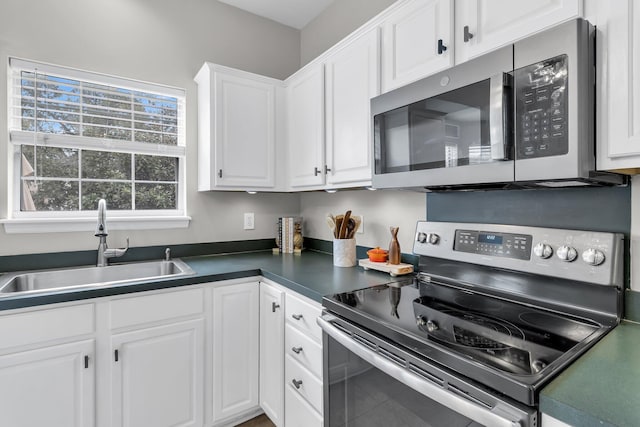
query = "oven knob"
{"x": 421, "y": 237}
{"x": 432, "y": 326}
{"x": 433, "y": 238}
{"x": 543, "y": 250}
{"x": 538, "y": 365}
{"x": 593, "y": 256}
{"x": 567, "y": 253}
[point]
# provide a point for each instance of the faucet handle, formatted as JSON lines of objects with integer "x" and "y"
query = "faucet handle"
{"x": 111, "y": 253}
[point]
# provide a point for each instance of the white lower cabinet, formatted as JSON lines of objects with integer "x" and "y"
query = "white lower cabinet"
{"x": 212, "y": 354}
{"x": 272, "y": 352}
{"x": 549, "y": 421}
{"x": 235, "y": 350}
{"x": 291, "y": 357}
{"x": 51, "y": 386}
{"x": 157, "y": 376}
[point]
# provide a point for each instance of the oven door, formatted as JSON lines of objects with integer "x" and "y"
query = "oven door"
{"x": 368, "y": 381}
{"x": 452, "y": 128}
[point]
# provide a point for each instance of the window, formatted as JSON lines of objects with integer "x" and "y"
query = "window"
{"x": 79, "y": 137}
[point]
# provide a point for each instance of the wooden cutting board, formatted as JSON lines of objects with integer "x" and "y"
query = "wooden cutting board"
{"x": 392, "y": 269}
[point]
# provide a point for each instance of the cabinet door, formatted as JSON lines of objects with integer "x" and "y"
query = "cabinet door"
{"x": 51, "y": 386}
{"x": 352, "y": 80}
{"x": 618, "y": 85}
{"x": 495, "y": 23}
{"x": 272, "y": 353}
{"x": 305, "y": 98}
{"x": 157, "y": 376}
{"x": 411, "y": 39}
{"x": 235, "y": 350}
{"x": 245, "y": 131}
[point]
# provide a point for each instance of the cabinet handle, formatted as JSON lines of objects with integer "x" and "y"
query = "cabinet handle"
{"x": 296, "y": 350}
{"x": 467, "y": 35}
{"x": 441, "y": 47}
{"x": 297, "y": 316}
{"x": 86, "y": 362}
{"x": 220, "y": 173}
{"x": 316, "y": 171}
{"x": 115, "y": 355}
{"x": 326, "y": 170}
{"x": 296, "y": 383}
{"x": 274, "y": 306}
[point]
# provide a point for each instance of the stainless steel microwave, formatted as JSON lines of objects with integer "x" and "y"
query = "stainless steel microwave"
{"x": 516, "y": 117}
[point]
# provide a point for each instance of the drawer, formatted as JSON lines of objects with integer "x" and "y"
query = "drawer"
{"x": 302, "y": 315}
{"x": 298, "y": 413}
{"x": 309, "y": 386}
{"x": 46, "y": 325}
{"x": 307, "y": 351}
{"x": 153, "y": 308}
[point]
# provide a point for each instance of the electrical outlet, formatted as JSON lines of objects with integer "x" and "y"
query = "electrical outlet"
{"x": 361, "y": 228}
{"x": 249, "y": 223}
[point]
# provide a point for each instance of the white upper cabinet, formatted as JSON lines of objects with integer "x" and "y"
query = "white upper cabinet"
{"x": 238, "y": 115}
{"x": 417, "y": 41}
{"x": 352, "y": 79}
{"x": 305, "y": 104}
{"x": 481, "y": 26}
{"x": 618, "y": 83}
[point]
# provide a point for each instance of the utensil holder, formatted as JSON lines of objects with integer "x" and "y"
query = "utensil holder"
{"x": 344, "y": 252}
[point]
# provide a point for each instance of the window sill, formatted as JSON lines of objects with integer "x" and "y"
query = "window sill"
{"x": 61, "y": 225}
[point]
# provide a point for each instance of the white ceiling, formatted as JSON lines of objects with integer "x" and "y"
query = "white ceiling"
{"x": 294, "y": 13}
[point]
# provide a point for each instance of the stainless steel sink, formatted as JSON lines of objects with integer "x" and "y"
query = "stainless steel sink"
{"x": 89, "y": 277}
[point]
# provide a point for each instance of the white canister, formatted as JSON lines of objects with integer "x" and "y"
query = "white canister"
{"x": 344, "y": 252}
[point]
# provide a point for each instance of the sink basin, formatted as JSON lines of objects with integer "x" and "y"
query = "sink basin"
{"x": 88, "y": 277}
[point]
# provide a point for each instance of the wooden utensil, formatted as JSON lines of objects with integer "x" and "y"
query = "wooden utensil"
{"x": 343, "y": 226}
{"x": 339, "y": 219}
{"x": 331, "y": 222}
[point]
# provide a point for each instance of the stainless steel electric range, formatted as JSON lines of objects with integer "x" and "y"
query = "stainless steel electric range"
{"x": 492, "y": 315}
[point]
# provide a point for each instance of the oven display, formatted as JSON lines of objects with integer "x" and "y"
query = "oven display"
{"x": 492, "y": 239}
{"x": 504, "y": 245}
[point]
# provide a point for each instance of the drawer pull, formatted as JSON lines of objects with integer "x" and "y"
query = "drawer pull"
{"x": 274, "y": 306}
{"x": 296, "y": 350}
{"x": 297, "y": 316}
{"x": 296, "y": 383}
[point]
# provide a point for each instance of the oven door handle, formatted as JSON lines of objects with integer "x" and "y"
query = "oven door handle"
{"x": 457, "y": 403}
{"x": 499, "y": 116}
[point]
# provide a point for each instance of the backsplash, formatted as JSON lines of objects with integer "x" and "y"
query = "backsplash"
{"x": 597, "y": 209}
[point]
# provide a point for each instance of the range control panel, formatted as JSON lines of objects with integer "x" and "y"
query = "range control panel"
{"x": 507, "y": 245}
{"x": 588, "y": 256}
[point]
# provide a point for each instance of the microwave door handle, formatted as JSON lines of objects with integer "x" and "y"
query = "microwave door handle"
{"x": 498, "y": 105}
{"x": 465, "y": 407}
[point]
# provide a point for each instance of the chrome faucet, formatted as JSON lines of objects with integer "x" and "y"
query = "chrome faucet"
{"x": 104, "y": 253}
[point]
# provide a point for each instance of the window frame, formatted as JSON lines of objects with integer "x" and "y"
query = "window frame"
{"x": 18, "y": 221}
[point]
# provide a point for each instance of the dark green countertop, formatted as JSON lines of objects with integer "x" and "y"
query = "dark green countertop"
{"x": 311, "y": 274}
{"x": 602, "y": 388}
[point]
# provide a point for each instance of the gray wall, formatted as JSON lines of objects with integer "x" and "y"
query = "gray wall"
{"x": 161, "y": 41}
{"x": 340, "y": 19}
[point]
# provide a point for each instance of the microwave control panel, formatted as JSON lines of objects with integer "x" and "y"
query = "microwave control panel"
{"x": 542, "y": 99}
